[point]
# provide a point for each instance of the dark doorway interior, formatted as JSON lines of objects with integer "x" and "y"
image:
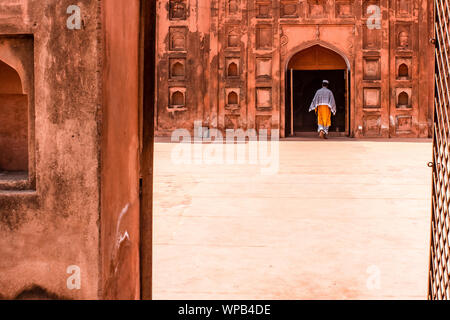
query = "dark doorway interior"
{"x": 305, "y": 85}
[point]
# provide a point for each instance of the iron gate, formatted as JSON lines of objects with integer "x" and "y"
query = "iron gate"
{"x": 439, "y": 273}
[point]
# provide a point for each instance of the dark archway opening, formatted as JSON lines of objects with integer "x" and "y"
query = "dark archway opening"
{"x": 306, "y": 71}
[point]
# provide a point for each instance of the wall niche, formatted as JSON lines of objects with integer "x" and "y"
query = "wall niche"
{"x": 403, "y": 98}
{"x": 177, "y": 68}
{"x": 17, "y": 168}
{"x": 177, "y": 99}
{"x": 232, "y": 65}
{"x": 13, "y": 121}
{"x": 232, "y": 98}
{"x": 403, "y": 34}
{"x": 403, "y": 68}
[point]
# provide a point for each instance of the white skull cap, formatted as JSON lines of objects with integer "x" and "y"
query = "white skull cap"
{"x": 325, "y": 81}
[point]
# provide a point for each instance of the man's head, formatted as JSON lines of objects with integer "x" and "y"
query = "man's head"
{"x": 325, "y": 83}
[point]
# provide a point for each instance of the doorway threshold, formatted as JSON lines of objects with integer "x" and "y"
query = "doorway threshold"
{"x": 314, "y": 134}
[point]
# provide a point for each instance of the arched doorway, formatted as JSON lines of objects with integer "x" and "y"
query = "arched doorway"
{"x": 304, "y": 75}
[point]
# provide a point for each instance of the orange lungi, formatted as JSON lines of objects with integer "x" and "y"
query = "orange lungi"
{"x": 323, "y": 116}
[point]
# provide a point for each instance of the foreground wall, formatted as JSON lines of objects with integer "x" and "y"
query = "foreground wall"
{"x": 76, "y": 208}
{"x": 53, "y": 223}
{"x": 120, "y": 151}
{"x": 223, "y": 62}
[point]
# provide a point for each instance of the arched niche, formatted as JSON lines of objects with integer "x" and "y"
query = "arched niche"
{"x": 403, "y": 71}
{"x": 403, "y": 99}
{"x": 177, "y": 98}
{"x": 233, "y": 98}
{"x": 233, "y": 70}
{"x": 178, "y": 69}
{"x": 13, "y": 121}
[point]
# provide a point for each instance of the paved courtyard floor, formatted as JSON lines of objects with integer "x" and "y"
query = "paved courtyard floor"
{"x": 341, "y": 219}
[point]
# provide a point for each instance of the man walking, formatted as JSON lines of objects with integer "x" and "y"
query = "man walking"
{"x": 323, "y": 104}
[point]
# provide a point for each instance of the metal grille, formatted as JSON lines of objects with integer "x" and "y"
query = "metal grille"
{"x": 438, "y": 286}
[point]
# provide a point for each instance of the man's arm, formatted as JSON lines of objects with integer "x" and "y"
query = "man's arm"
{"x": 313, "y": 103}
{"x": 333, "y": 103}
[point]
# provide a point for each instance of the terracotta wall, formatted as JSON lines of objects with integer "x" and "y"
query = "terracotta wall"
{"x": 53, "y": 225}
{"x": 261, "y": 36}
{"x": 82, "y": 206}
{"x": 120, "y": 151}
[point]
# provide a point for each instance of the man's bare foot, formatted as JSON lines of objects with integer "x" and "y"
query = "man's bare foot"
{"x": 322, "y": 134}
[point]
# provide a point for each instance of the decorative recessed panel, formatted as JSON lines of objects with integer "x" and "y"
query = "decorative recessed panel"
{"x": 178, "y": 9}
{"x": 264, "y": 123}
{"x": 264, "y": 9}
{"x": 368, "y": 8}
{"x": 232, "y": 122}
{"x": 289, "y": 9}
{"x": 316, "y": 8}
{"x": 263, "y": 67}
{"x": 371, "y": 39}
{"x": 372, "y": 68}
{"x": 404, "y": 124}
{"x": 177, "y": 38}
{"x": 263, "y": 98}
{"x": 233, "y": 37}
{"x": 372, "y": 125}
{"x": 372, "y": 98}
{"x": 264, "y": 37}
{"x": 403, "y": 8}
{"x": 233, "y": 7}
{"x": 344, "y": 8}
{"x": 12, "y": 8}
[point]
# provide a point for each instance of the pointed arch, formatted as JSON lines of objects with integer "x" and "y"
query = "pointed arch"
{"x": 310, "y": 44}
